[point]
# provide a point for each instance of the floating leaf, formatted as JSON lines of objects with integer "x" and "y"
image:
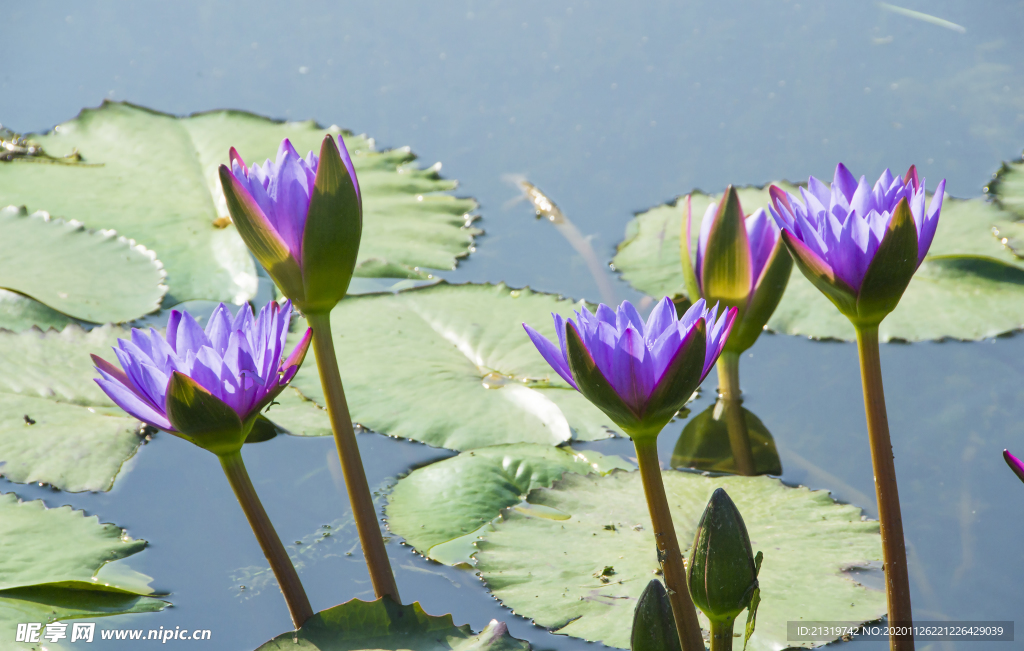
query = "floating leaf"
{"x": 95, "y": 276}
{"x": 153, "y": 177}
{"x": 18, "y": 313}
{"x": 970, "y": 286}
{"x": 545, "y": 569}
{"x": 56, "y": 425}
{"x": 1008, "y": 191}
{"x": 441, "y": 509}
{"x": 386, "y": 626}
{"x": 54, "y": 565}
{"x": 451, "y": 366}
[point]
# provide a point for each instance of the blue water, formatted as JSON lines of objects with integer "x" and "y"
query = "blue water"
{"x": 609, "y": 110}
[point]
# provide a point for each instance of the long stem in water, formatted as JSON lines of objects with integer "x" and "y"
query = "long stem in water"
{"x": 671, "y": 557}
{"x": 894, "y": 551}
{"x": 721, "y": 635}
{"x": 351, "y": 463}
{"x": 735, "y": 422}
{"x": 284, "y": 571}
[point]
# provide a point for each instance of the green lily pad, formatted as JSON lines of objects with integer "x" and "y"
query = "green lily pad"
{"x": 95, "y": 276}
{"x": 451, "y": 366}
{"x": 442, "y": 509}
{"x": 386, "y": 626}
{"x": 19, "y": 312}
{"x": 1008, "y": 188}
{"x": 59, "y": 564}
{"x": 153, "y": 177}
{"x": 969, "y": 286}
{"x": 56, "y": 425}
{"x": 554, "y": 571}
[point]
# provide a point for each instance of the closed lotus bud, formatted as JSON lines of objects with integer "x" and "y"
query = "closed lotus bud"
{"x": 740, "y": 262}
{"x": 722, "y": 574}
{"x": 654, "y": 626}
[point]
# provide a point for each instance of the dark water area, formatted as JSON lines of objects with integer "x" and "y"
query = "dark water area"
{"x": 610, "y": 110}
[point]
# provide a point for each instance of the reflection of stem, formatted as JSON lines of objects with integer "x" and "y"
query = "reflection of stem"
{"x": 546, "y": 208}
{"x": 351, "y": 464}
{"x": 735, "y": 422}
{"x": 894, "y": 552}
{"x": 270, "y": 543}
{"x": 668, "y": 546}
{"x": 721, "y": 635}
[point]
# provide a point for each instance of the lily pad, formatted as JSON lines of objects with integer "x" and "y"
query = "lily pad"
{"x": 386, "y": 626}
{"x": 555, "y": 571}
{"x": 95, "y": 276}
{"x": 19, "y": 312}
{"x": 56, "y": 425}
{"x": 704, "y": 444}
{"x": 451, "y": 366}
{"x": 1008, "y": 190}
{"x": 969, "y": 287}
{"x": 57, "y": 564}
{"x": 153, "y": 177}
{"x": 442, "y": 509}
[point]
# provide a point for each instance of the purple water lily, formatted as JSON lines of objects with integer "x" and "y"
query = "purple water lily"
{"x": 1016, "y": 465}
{"x": 637, "y": 372}
{"x": 238, "y": 361}
{"x": 301, "y": 218}
{"x": 839, "y": 227}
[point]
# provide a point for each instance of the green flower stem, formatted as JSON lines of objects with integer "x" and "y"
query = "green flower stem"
{"x": 668, "y": 546}
{"x": 351, "y": 463}
{"x": 721, "y": 635}
{"x": 894, "y": 551}
{"x": 735, "y": 423}
{"x": 284, "y": 571}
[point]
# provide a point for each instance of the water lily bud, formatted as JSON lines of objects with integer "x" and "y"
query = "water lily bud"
{"x": 639, "y": 374}
{"x": 654, "y": 626}
{"x": 302, "y": 218}
{"x": 722, "y": 574}
{"x": 859, "y": 245}
{"x": 205, "y": 386}
{"x": 740, "y": 262}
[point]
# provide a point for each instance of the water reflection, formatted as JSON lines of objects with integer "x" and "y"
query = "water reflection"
{"x": 709, "y": 443}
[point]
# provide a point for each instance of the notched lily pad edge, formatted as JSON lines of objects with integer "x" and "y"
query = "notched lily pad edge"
{"x": 105, "y": 232}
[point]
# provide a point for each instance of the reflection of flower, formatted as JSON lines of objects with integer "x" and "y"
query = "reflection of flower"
{"x": 640, "y": 374}
{"x": 301, "y": 218}
{"x": 205, "y": 386}
{"x": 741, "y": 262}
{"x": 859, "y": 245}
{"x": 1016, "y": 465}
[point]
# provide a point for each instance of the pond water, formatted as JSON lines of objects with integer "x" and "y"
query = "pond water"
{"x": 610, "y": 112}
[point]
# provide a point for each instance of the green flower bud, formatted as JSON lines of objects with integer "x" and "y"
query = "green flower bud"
{"x": 654, "y": 626}
{"x": 722, "y": 574}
